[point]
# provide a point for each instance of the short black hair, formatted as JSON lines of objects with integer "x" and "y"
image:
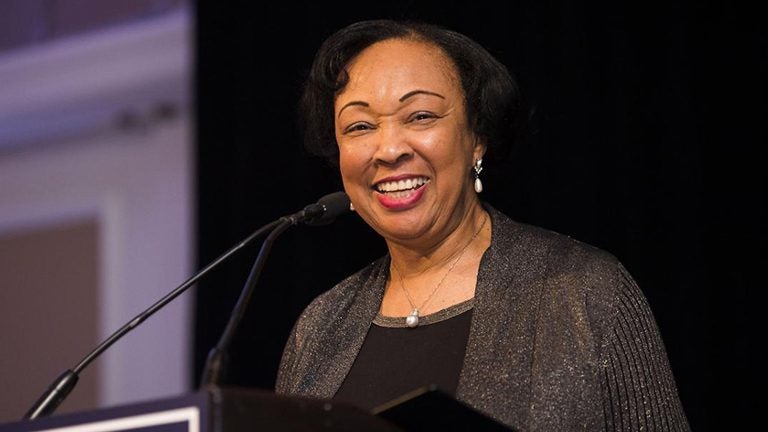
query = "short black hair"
{"x": 492, "y": 97}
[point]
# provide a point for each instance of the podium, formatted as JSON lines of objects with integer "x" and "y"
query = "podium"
{"x": 240, "y": 410}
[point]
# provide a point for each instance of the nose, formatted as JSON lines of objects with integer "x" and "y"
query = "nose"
{"x": 392, "y": 147}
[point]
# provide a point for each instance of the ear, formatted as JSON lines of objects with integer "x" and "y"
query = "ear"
{"x": 479, "y": 150}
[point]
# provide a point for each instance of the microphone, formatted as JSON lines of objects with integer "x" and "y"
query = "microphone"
{"x": 323, "y": 212}
{"x": 326, "y": 209}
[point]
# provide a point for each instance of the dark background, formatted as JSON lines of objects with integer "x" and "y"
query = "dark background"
{"x": 646, "y": 140}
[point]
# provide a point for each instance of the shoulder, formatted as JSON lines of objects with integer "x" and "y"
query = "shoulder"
{"x": 330, "y": 319}
{"x": 538, "y": 247}
{"x": 562, "y": 272}
{"x": 336, "y": 302}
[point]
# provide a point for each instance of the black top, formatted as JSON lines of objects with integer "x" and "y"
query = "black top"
{"x": 396, "y": 359}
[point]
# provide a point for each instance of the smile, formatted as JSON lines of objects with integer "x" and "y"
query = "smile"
{"x": 400, "y": 187}
{"x": 401, "y": 194}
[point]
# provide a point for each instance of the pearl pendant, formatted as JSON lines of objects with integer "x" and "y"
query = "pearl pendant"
{"x": 478, "y": 185}
{"x": 412, "y": 320}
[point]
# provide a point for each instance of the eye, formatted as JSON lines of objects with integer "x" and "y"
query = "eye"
{"x": 358, "y": 127}
{"x": 422, "y": 117}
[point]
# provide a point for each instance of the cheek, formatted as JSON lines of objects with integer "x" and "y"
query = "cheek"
{"x": 352, "y": 162}
{"x": 448, "y": 150}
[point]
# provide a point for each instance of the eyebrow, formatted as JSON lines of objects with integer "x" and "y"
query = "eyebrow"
{"x": 402, "y": 98}
{"x": 415, "y": 92}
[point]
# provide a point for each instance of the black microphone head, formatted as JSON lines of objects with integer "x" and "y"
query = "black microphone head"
{"x": 328, "y": 207}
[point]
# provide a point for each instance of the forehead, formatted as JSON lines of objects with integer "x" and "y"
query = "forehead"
{"x": 396, "y": 64}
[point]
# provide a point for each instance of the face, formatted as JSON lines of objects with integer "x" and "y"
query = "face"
{"x": 405, "y": 148}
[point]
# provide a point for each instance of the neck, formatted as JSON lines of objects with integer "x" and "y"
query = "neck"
{"x": 421, "y": 283}
{"x": 413, "y": 262}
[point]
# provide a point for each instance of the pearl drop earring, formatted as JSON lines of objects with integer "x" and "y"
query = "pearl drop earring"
{"x": 478, "y": 168}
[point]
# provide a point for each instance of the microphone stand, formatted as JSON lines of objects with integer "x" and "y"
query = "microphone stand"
{"x": 63, "y": 385}
{"x": 218, "y": 358}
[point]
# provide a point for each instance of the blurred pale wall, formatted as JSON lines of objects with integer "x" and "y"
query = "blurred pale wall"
{"x": 96, "y": 178}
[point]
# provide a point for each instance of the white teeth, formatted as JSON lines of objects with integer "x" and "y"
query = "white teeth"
{"x": 402, "y": 185}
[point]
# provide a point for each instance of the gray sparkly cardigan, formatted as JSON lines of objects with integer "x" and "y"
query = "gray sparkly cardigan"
{"x": 561, "y": 338}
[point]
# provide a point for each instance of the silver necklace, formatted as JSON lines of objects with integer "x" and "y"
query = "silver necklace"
{"x": 412, "y": 320}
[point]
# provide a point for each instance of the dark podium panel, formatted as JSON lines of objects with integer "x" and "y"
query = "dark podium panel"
{"x": 429, "y": 409}
{"x": 240, "y": 410}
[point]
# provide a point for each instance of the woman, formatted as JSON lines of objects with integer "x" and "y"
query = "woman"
{"x": 528, "y": 326}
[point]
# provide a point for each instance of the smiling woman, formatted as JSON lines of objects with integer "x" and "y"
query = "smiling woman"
{"x": 533, "y": 328}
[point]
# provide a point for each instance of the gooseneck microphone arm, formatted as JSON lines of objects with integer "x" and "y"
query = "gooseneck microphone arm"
{"x": 319, "y": 213}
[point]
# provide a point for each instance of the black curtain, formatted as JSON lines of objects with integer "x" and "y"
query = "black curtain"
{"x": 646, "y": 139}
